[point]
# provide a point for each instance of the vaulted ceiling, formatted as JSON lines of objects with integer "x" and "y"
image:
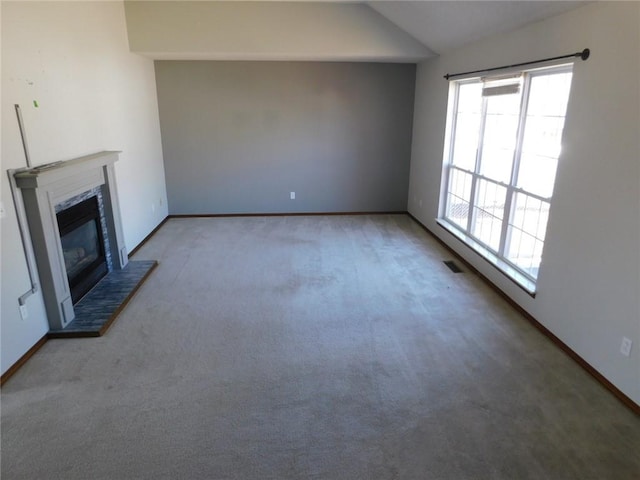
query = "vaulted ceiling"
{"x": 445, "y": 25}
{"x": 390, "y": 31}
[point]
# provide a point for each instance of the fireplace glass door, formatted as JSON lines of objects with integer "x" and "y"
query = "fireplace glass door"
{"x": 82, "y": 246}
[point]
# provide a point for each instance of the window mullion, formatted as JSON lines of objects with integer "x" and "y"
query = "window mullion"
{"x": 521, "y": 128}
{"x": 508, "y": 205}
{"x": 474, "y": 178}
{"x": 447, "y": 179}
{"x": 508, "y": 215}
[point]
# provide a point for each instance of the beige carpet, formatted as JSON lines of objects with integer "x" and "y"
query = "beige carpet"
{"x": 333, "y": 347}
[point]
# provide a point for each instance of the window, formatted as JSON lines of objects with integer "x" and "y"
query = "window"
{"x": 502, "y": 152}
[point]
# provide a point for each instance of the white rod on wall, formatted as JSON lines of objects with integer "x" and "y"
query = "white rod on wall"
{"x": 24, "y": 237}
{"x": 23, "y": 135}
{"x": 22, "y": 221}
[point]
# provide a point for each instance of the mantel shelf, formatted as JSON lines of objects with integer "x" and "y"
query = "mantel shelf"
{"x": 50, "y": 172}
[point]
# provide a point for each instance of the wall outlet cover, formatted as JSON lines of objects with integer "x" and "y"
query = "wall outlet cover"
{"x": 625, "y": 346}
{"x": 292, "y": 195}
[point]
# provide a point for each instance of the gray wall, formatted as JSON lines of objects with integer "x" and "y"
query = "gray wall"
{"x": 239, "y": 136}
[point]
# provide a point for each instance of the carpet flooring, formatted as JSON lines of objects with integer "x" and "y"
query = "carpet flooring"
{"x": 331, "y": 347}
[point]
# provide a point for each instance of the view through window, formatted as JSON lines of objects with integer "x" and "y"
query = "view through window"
{"x": 500, "y": 167}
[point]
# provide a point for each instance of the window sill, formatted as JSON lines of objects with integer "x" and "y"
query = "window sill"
{"x": 503, "y": 267}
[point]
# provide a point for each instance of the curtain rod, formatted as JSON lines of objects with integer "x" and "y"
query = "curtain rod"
{"x": 584, "y": 54}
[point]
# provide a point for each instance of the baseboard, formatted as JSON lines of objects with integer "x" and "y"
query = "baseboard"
{"x": 626, "y": 400}
{"x": 22, "y": 360}
{"x": 148, "y": 237}
{"x": 281, "y": 214}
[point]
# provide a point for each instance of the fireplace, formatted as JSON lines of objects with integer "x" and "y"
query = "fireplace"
{"x": 82, "y": 246}
{"x": 75, "y": 228}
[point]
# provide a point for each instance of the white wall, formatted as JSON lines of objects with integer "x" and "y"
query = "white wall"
{"x": 589, "y": 283}
{"x": 267, "y": 31}
{"x": 93, "y": 94}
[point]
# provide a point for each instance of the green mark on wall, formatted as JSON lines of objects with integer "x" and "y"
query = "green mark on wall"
{"x": 35, "y": 103}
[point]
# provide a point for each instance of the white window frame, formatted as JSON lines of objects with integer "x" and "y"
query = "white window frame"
{"x": 496, "y": 257}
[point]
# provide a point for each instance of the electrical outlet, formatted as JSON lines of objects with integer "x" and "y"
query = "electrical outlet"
{"x": 292, "y": 195}
{"x": 625, "y": 346}
{"x": 24, "y": 313}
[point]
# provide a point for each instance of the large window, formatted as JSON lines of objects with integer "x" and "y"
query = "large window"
{"x": 500, "y": 165}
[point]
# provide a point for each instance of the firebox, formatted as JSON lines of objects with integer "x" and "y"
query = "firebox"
{"x": 82, "y": 246}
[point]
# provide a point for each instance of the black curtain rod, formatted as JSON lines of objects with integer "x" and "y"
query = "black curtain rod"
{"x": 584, "y": 54}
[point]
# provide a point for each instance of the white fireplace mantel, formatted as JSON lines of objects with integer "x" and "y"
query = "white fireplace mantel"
{"x": 43, "y": 188}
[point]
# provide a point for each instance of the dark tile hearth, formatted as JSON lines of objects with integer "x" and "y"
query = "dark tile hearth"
{"x": 98, "y": 309}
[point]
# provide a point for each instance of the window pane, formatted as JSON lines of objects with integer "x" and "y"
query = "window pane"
{"x": 497, "y": 163}
{"x": 458, "y": 211}
{"x": 490, "y": 198}
{"x": 467, "y": 126}
{"x": 499, "y": 139}
{"x": 526, "y": 233}
{"x": 530, "y": 215}
{"x": 524, "y": 251}
{"x": 537, "y": 174}
{"x": 460, "y": 184}
{"x": 458, "y": 197}
{"x": 465, "y": 145}
{"x": 549, "y": 94}
{"x": 543, "y": 133}
{"x": 470, "y": 98}
{"x": 488, "y": 213}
